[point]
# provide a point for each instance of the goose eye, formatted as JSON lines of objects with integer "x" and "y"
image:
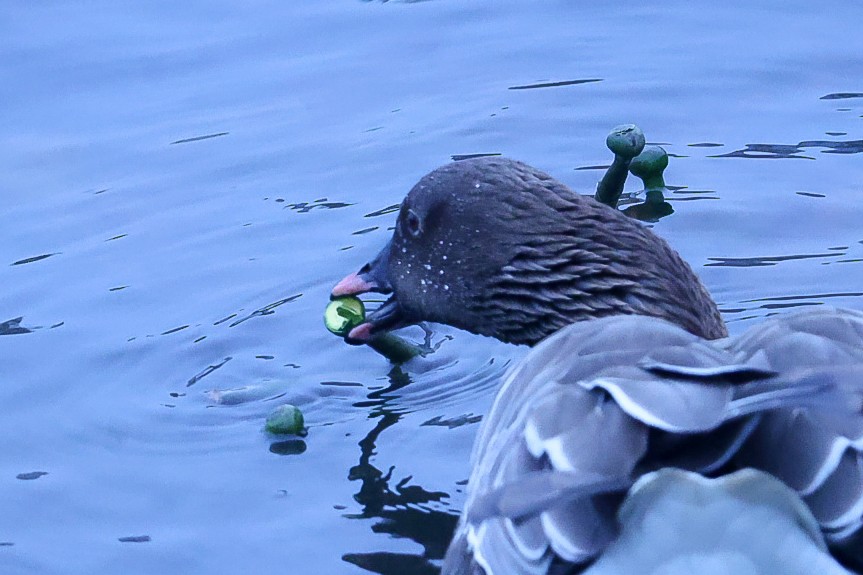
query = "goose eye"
{"x": 413, "y": 224}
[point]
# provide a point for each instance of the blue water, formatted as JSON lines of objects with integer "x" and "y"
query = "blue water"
{"x": 183, "y": 182}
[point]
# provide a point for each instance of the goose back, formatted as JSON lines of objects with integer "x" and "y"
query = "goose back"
{"x": 599, "y": 404}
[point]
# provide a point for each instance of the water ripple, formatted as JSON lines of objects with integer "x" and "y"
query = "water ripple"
{"x": 762, "y": 260}
{"x": 555, "y": 84}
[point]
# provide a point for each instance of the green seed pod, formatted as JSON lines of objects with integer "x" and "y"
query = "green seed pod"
{"x": 286, "y": 420}
{"x": 649, "y": 166}
{"x": 344, "y": 314}
{"x": 626, "y": 141}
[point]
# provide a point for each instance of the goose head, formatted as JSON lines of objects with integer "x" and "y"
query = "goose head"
{"x": 498, "y": 248}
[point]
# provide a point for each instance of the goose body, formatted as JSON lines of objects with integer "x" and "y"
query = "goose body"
{"x": 599, "y": 404}
{"x": 632, "y": 370}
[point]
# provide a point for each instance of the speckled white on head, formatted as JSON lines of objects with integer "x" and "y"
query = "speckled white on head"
{"x": 525, "y": 256}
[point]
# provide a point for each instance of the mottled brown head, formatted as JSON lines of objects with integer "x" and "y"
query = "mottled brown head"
{"x": 498, "y": 248}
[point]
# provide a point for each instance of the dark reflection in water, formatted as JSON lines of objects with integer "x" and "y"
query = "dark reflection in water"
{"x": 460, "y": 157}
{"x": 775, "y": 303}
{"x": 651, "y": 209}
{"x": 766, "y": 151}
{"x": 364, "y": 231}
{"x": 199, "y": 138}
{"x": 688, "y": 195}
{"x": 31, "y": 475}
{"x": 397, "y": 506}
{"x": 288, "y": 447}
{"x": 13, "y": 326}
{"x": 398, "y": 1}
{"x": 846, "y": 147}
{"x": 135, "y": 539}
{"x": 763, "y": 261}
{"x": 597, "y": 167}
{"x": 306, "y": 207}
{"x": 207, "y": 371}
{"x": 268, "y": 309}
{"x": 452, "y": 423}
{"x": 817, "y": 296}
{"x": 383, "y": 211}
{"x": 790, "y": 305}
{"x": 555, "y": 84}
{"x": 788, "y": 151}
{"x": 32, "y": 259}
{"x": 842, "y": 96}
{"x": 175, "y": 330}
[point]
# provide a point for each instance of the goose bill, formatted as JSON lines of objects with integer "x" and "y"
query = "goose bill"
{"x": 372, "y": 277}
{"x": 386, "y": 318}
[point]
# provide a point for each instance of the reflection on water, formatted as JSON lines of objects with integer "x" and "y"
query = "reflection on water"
{"x": 764, "y": 260}
{"x": 842, "y": 96}
{"x": 13, "y": 326}
{"x": 398, "y": 507}
{"x": 207, "y": 371}
{"x": 818, "y": 298}
{"x": 32, "y": 259}
{"x": 651, "y": 209}
{"x": 199, "y": 138}
{"x": 322, "y": 203}
{"x": 383, "y": 211}
{"x": 268, "y": 309}
{"x": 555, "y": 84}
{"x": 460, "y": 157}
{"x": 31, "y": 475}
{"x": 222, "y": 162}
{"x": 789, "y": 151}
{"x": 288, "y": 447}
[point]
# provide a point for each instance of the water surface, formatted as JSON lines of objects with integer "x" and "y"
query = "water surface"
{"x": 183, "y": 183}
